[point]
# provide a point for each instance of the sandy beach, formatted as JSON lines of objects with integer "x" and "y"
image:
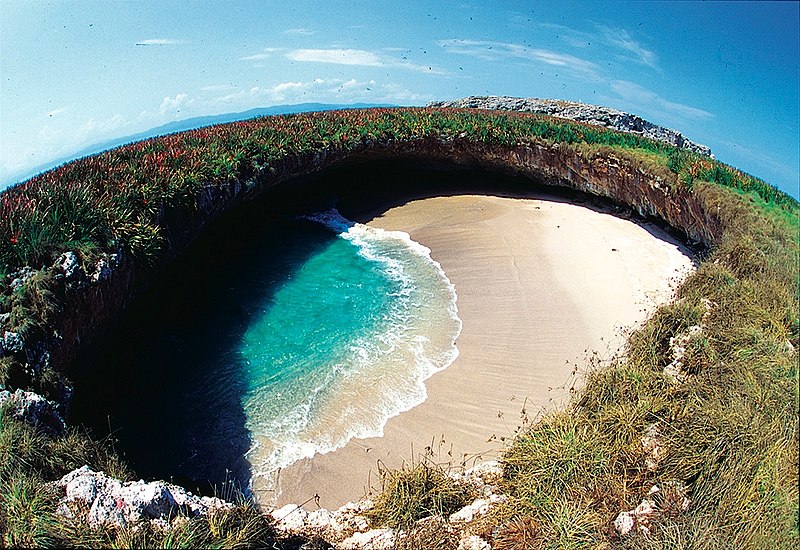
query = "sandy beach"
{"x": 542, "y": 285}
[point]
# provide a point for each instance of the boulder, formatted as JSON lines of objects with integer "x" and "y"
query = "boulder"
{"x": 375, "y": 539}
{"x": 106, "y": 501}
{"x": 33, "y": 409}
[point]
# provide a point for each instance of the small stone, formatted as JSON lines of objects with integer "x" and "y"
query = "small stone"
{"x": 68, "y": 262}
{"x": 645, "y": 509}
{"x": 473, "y": 542}
{"x": 291, "y": 518}
{"x": 147, "y": 500}
{"x": 13, "y": 342}
{"x": 624, "y": 523}
{"x": 324, "y": 520}
{"x": 376, "y": 539}
{"x": 102, "y": 271}
{"x": 33, "y": 409}
{"x": 478, "y": 508}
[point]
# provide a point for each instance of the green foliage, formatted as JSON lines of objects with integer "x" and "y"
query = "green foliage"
{"x": 415, "y": 492}
{"x": 26, "y": 449}
{"x": 120, "y": 197}
{"x": 730, "y": 431}
{"x": 26, "y": 513}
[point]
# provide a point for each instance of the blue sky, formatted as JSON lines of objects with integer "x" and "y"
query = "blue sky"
{"x": 77, "y": 73}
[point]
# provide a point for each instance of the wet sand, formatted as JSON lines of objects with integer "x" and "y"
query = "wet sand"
{"x": 542, "y": 286}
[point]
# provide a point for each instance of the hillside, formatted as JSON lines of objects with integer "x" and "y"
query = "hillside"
{"x": 703, "y": 406}
{"x": 595, "y": 115}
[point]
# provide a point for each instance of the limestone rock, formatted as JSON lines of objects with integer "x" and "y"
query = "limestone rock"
{"x": 11, "y": 342}
{"x": 291, "y": 518}
{"x": 624, "y": 523}
{"x": 74, "y": 275}
{"x": 375, "y": 539}
{"x": 473, "y": 542}
{"x": 106, "y": 501}
{"x": 653, "y": 447}
{"x": 668, "y": 501}
{"x": 20, "y": 277}
{"x": 478, "y": 508}
{"x": 33, "y": 409}
{"x": 581, "y": 112}
{"x": 678, "y": 344}
{"x": 483, "y": 477}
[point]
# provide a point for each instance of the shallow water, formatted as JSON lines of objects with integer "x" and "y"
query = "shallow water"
{"x": 245, "y": 359}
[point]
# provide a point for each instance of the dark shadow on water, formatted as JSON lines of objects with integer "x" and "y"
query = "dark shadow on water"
{"x": 169, "y": 381}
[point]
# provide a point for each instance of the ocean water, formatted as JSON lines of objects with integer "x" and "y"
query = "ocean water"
{"x": 247, "y": 359}
{"x": 346, "y": 344}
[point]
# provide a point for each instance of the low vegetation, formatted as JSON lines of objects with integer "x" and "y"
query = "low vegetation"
{"x": 415, "y": 492}
{"x": 726, "y": 430}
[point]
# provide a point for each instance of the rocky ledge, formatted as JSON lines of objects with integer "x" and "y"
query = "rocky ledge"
{"x": 99, "y": 500}
{"x": 580, "y": 112}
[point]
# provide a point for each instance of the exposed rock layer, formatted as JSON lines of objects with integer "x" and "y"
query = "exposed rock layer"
{"x": 580, "y": 112}
{"x": 103, "y": 501}
{"x": 93, "y": 296}
{"x": 92, "y": 302}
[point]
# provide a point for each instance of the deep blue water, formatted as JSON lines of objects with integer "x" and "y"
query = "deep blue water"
{"x": 256, "y": 351}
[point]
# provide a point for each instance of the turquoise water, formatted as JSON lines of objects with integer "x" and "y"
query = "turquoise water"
{"x": 345, "y": 344}
{"x": 268, "y": 343}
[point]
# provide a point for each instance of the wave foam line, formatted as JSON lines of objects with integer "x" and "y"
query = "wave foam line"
{"x": 386, "y": 248}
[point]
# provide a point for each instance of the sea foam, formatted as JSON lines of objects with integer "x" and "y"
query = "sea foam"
{"x": 371, "y": 365}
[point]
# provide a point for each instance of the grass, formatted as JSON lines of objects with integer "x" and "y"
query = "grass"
{"x": 729, "y": 433}
{"x": 29, "y": 458}
{"x": 414, "y": 492}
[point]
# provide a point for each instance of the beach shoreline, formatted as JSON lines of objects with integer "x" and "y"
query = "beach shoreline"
{"x": 544, "y": 287}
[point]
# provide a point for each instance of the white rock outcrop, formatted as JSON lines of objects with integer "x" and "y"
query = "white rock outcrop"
{"x": 34, "y": 409}
{"x": 596, "y": 115}
{"x": 106, "y": 501}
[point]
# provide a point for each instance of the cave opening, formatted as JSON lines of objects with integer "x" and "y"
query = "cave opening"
{"x": 167, "y": 383}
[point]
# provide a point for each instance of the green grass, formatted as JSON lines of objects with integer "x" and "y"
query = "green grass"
{"x": 730, "y": 432}
{"x": 414, "y": 492}
{"x": 29, "y": 458}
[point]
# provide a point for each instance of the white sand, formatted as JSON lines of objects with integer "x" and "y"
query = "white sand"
{"x": 541, "y": 285}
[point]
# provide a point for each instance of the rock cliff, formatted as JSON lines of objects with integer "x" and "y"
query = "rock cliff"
{"x": 580, "y": 112}
{"x": 93, "y": 296}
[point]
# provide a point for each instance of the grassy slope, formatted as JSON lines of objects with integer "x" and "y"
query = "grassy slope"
{"x": 730, "y": 431}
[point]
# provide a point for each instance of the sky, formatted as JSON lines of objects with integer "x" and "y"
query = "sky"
{"x": 73, "y": 74}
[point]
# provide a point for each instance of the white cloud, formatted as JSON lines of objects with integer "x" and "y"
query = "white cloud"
{"x": 623, "y": 40}
{"x": 159, "y": 42}
{"x": 218, "y": 88}
{"x": 174, "y": 105}
{"x": 265, "y": 53}
{"x": 337, "y": 56}
{"x": 362, "y": 58}
{"x": 573, "y": 37}
{"x": 494, "y": 51}
{"x": 335, "y": 90}
{"x": 299, "y": 32}
{"x": 286, "y": 86}
{"x": 646, "y": 100}
{"x": 56, "y": 112}
{"x": 92, "y": 128}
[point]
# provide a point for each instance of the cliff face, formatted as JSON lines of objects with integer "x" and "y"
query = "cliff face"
{"x": 580, "y": 112}
{"x": 92, "y": 301}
